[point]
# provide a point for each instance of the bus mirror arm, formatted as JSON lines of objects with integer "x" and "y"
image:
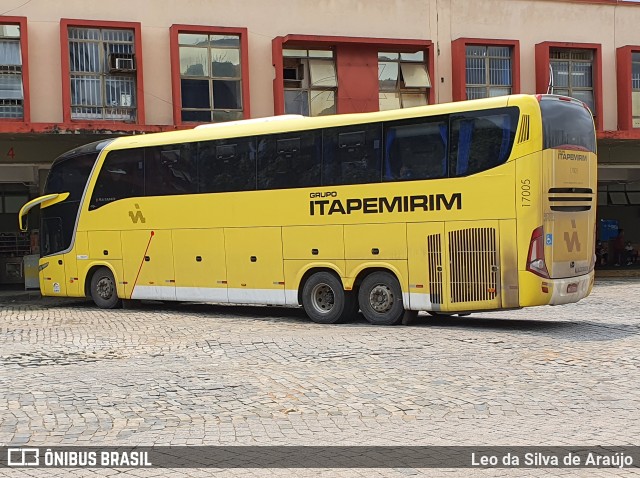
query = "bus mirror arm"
{"x": 44, "y": 201}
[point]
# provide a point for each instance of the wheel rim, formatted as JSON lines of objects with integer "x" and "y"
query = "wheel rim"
{"x": 322, "y": 298}
{"x": 381, "y": 298}
{"x": 104, "y": 288}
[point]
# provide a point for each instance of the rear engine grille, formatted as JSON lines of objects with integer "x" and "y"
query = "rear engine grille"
{"x": 434, "y": 256}
{"x": 474, "y": 261}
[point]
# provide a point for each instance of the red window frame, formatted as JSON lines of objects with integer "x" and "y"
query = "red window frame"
{"x": 542, "y": 71}
{"x": 347, "y": 48}
{"x": 175, "y": 30}
{"x": 65, "y": 23}
{"x": 623, "y": 78}
{"x": 459, "y": 63}
{"x": 24, "y": 51}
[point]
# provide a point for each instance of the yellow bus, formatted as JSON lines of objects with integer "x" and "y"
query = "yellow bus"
{"x": 450, "y": 209}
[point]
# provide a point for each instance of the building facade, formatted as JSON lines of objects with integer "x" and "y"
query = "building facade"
{"x": 77, "y": 71}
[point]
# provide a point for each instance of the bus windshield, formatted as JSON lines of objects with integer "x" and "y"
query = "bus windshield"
{"x": 567, "y": 125}
{"x": 69, "y": 173}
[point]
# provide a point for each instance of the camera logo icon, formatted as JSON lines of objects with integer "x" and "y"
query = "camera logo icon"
{"x": 23, "y": 457}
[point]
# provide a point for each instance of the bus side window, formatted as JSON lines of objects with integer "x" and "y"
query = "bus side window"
{"x": 289, "y": 160}
{"x": 351, "y": 155}
{"x": 121, "y": 176}
{"x": 227, "y": 165}
{"x": 170, "y": 170}
{"x": 415, "y": 149}
{"x": 481, "y": 140}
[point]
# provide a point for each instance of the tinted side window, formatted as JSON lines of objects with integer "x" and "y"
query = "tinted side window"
{"x": 481, "y": 140}
{"x": 121, "y": 176}
{"x": 227, "y": 165}
{"x": 415, "y": 149}
{"x": 289, "y": 160}
{"x": 352, "y": 154}
{"x": 170, "y": 169}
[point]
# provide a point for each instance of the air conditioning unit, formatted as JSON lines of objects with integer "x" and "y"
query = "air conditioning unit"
{"x": 122, "y": 63}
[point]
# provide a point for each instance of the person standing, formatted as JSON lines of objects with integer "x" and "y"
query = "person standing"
{"x": 618, "y": 247}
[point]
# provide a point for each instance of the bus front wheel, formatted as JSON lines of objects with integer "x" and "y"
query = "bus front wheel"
{"x": 325, "y": 301}
{"x": 380, "y": 299}
{"x": 103, "y": 289}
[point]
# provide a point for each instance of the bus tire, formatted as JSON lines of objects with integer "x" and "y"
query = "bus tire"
{"x": 103, "y": 289}
{"x": 325, "y": 301}
{"x": 380, "y": 299}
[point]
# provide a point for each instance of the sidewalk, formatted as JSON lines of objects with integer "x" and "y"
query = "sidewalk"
{"x": 18, "y": 294}
{"x": 632, "y": 271}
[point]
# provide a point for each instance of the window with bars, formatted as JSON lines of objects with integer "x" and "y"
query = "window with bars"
{"x": 11, "y": 90}
{"x": 210, "y": 77}
{"x": 488, "y": 71}
{"x": 635, "y": 88}
{"x": 572, "y": 74}
{"x": 403, "y": 80}
{"x": 310, "y": 82}
{"x": 103, "y": 74}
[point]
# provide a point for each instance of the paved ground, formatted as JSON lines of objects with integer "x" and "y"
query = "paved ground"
{"x": 71, "y": 374}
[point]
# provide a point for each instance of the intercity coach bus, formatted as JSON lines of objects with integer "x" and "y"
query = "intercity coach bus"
{"x": 451, "y": 209}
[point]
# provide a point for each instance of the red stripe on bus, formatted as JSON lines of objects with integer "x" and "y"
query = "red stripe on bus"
{"x": 142, "y": 263}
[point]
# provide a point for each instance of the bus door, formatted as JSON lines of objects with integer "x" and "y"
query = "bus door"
{"x": 473, "y": 258}
{"x": 569, "y": 181}
{"x": 53, "y": 277}
{"x": 148, "y": 265}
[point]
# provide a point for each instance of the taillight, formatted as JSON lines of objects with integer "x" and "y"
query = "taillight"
{"x": 535, "y": 259}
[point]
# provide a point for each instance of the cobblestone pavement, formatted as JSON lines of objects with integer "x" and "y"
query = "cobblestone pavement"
{"x": 194, "y": 374}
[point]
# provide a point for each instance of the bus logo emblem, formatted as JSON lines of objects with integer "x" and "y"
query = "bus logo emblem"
{"x": 573, "y": 240}
{"x": 137, "y": 216}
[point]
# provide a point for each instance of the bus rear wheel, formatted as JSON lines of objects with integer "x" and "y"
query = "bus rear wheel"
{"x": 380, "y": 299}
{"x": 103, "y": 289}
{"x": 325, "y": 301}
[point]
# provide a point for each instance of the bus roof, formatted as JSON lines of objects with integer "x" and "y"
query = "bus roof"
{"x": 291, "y": 123}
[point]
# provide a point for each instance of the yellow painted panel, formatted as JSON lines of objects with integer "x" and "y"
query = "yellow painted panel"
{"x": 427, "y": 269}
{"x": 509, "y": 264}
{"x": 76, "y": 264}
{"x": 254, "y": 258}
{"x": 529, "y": 211}
{"x": 199, "y": 258}
{"x": 104, "y": 245}
{"x": 53, "y": 278}
{"x": 375, "y": 241}
{"x": 71, "y": 271}
{"x": 569, "y": 234}
{"x": 300, "y": 242}
{"x": 531, "y": 292}
{"x": 155, "y": 272}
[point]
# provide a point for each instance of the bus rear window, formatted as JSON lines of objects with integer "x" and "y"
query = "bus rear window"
{"x": 567, "y": 125}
